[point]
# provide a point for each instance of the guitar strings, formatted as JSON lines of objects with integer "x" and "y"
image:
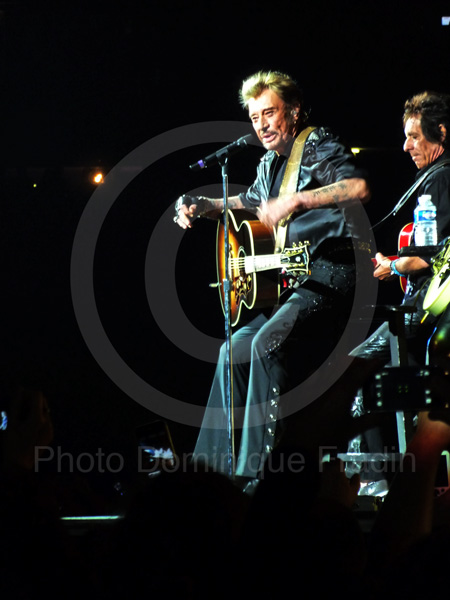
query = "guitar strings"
{"x": 273, "y": 261}
{"x": 241, "y": 260}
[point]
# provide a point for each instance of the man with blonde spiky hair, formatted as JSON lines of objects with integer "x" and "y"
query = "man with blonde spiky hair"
{"x": 281, "y": 84}
{"x": 313, "y": 199}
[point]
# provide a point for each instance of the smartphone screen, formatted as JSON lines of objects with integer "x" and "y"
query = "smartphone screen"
{"x": 155, "y": 448}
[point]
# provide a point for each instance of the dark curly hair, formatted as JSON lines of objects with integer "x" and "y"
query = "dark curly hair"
{"x": 434, "y": 110}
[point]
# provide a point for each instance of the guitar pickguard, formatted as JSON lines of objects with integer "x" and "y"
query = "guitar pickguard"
{"x": 242, "y": 283}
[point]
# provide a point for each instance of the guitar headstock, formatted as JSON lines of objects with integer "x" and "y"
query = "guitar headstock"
{"x": 295, "y": 259}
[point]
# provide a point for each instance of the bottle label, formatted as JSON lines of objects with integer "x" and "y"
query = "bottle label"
{"x": 425, "y": 215}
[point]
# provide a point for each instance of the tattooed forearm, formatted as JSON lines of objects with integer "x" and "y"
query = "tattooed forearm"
{"x": 215, "y": 206}
{"x": 235, "y": 202}
{"x": 348, "y": 190}
{"x": 333, "y": 192}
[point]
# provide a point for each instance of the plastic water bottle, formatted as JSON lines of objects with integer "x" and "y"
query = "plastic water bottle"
{"x": 425, "y": 228}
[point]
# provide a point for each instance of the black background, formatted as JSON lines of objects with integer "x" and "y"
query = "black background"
{"x": 84, "y": 84}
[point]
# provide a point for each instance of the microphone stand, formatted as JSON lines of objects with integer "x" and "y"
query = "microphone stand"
{"x": 221, "y": 157}
{"x": 223, "y": 161}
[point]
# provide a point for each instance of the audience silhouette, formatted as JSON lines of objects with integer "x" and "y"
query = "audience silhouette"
{"x": 193, "y": 533}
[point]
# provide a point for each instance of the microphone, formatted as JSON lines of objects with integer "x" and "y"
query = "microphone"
{"x": 225, "y": 152}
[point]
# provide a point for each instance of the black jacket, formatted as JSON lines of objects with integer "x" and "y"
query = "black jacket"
{"x": 325, "y": 160}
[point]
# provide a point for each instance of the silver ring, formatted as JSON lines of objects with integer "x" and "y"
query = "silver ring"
{"x": 175, "y": 219}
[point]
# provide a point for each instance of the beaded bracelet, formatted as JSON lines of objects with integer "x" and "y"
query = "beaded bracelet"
{"x": 394, "y": 268}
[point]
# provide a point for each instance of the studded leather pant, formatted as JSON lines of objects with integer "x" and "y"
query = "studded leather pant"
{"x": 271, "y": 355}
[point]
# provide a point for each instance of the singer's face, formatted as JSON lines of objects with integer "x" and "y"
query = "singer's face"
{"x": 422, "y": 151}
{"x": 269, "y": 119}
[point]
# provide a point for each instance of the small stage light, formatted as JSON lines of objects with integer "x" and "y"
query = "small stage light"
{"x": 97, "y": 177}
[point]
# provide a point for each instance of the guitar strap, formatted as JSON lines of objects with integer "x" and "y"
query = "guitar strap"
{"x": 290, "y": 183}
{"x": 407, "y": 195}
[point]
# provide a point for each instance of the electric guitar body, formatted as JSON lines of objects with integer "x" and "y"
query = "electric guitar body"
{"x": 404, "y": 240}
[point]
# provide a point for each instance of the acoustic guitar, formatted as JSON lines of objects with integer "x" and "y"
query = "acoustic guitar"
{"x": 256, "y": 273}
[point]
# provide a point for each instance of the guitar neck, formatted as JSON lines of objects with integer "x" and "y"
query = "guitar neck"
{"x": 264, "y": 262}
